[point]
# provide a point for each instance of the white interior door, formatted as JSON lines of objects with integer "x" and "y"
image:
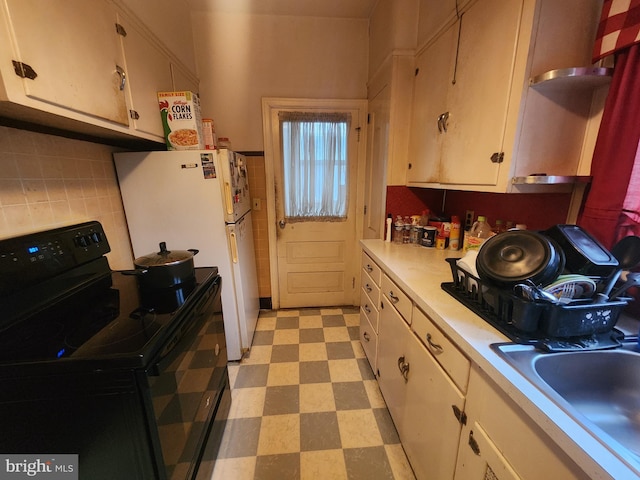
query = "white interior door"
{"x": 314, "y": 262}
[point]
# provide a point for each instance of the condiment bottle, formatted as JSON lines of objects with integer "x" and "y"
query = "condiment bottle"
{"x": 454, "y": 233}
{"x": 499, "y": 227}
{"x": 480, "y": 231}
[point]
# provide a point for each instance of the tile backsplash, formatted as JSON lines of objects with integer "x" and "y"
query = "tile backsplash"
{"x": 47, "y": 181}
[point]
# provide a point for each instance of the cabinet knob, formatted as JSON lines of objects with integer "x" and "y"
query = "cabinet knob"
{"x": 366, "y": 308}
{"x": 365, "y": 335}
{"x": 368, "y": 288}
{"x": 369, "y": 268}
{"x": 392, "y": 297}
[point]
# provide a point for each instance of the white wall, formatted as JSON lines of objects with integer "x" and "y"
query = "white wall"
{"x": 242, "y": 58}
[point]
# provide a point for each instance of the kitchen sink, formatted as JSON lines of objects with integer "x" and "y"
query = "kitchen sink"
{"x": 599, "y": 389}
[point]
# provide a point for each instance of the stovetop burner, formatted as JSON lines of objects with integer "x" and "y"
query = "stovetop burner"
{"x": 117, "y": 321}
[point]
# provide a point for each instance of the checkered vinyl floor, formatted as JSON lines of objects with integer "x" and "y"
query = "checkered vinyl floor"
{"x": 306, "y": 405}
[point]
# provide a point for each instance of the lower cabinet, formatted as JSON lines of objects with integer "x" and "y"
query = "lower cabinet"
{"x": 500, "y": 441}
{"x": 420, "y": 396}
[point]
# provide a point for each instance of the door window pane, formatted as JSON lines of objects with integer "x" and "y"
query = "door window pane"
{"x": 314, "y": 155}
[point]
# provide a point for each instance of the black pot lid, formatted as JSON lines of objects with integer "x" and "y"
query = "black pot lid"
{"x": 518, "y": 255}
{"x": 165, "y": 257}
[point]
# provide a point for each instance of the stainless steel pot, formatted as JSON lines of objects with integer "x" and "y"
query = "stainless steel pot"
{"x": 166, "y": 268}
{"x": 512, "y": 257}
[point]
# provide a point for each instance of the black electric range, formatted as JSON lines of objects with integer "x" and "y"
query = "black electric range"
{"x": 94, "y": 364}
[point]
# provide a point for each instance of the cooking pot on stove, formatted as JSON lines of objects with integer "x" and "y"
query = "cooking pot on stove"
{"x": 512, "y": 257}
{"x": 165, "y": 269}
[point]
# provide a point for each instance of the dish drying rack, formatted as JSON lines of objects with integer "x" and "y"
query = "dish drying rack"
{"x": 579, "y": 325}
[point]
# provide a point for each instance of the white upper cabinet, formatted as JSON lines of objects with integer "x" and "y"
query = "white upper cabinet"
{"x": 69, "y": 55}
{"x": 86, "y": 66}
{"x": 149, "y": 72}
{"x": 476, "y": 122}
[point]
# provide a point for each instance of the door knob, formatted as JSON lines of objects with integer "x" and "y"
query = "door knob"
{"x": 282, "y": 223}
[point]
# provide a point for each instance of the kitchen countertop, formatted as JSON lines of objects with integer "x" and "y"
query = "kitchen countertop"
{"x": 420, "y": 272}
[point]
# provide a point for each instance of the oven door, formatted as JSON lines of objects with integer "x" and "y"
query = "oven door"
{"x": 184, "y": 387}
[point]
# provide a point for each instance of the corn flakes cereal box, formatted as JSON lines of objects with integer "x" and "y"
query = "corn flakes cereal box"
{"x": 181, "y": 120}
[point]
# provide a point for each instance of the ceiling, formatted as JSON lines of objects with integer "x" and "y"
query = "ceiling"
{"x": 304, "y": 8}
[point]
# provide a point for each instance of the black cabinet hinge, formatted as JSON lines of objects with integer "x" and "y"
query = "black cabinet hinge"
{"x": 497, "y": 157}
{"x": 459, "y": 414}
{"x": 120, "y": 30}
{"x": 473, "y": 444}
{"x": 23, "y": 70}
{"x": 133, "y": 114}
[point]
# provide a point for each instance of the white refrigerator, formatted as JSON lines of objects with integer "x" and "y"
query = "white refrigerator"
{"x": 197, "y": 199}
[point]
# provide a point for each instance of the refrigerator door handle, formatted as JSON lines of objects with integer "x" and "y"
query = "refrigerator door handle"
{"x": 227, "y": 198}
{"x": 234, "y": 247}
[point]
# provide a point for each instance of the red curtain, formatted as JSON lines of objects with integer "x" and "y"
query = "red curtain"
{"x": 615, "y": 150}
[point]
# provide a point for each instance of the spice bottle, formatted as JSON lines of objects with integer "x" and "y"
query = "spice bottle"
{"x": 454, "y": 233}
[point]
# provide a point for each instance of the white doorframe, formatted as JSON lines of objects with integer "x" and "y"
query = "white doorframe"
{"x": 268, "y": 105}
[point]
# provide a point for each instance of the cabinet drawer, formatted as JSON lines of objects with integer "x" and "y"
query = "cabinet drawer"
{"x": 397, "y": 298}
{"x": 444, "y": 351}
{"x": 369, "y": 286}
{"x": 369, "y": 341}
{"x": 370, "y": 309}
{"x": 371, "y": 268}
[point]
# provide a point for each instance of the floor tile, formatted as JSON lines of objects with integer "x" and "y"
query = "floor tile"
{"x": 285, "y": 353}
{"x": 317, "y": 397}
{"x": 279, "y": 434}
{"x": 312, "y": 335}
{"x": 319, "y": 431}
{"x": 358, "y": 428}
{"x": 346, "y": 370}
{"x": 314, "y": 372}
{"x": 278, "y": 467}
{"x": 287, "y": 323}
{"x": 329, "y": 320}
{"x": 240, "y": 438}
{"x": 248, "y": 404}
{"x": 367, "y": 463}
{"x": 350, "y": 396}
{"x": 281, "y": 400}
{"x": 323, "y": 464}
{"x": 285, "y": 373}
{"x": 337, "y": 350}
{"x": 262, "y": 337}
{"x": 286, "y": 337}
{"x": 309, "y": 352}
{"x": 252, "y": 376}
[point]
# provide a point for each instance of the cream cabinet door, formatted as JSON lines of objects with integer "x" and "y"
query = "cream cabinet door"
{"x": 480, "y": 459}
{"x": 375, "y": 171}
{"x": 149, "y": 72}
{"x": 478, "y": 101}
{"x": 73, "y": 48}
{"x": 430, "y": 431}
{"x": 432, "y": 80}
{"x": 393, "y": 337}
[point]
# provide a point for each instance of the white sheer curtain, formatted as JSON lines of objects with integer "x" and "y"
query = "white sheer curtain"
{"x": 314, "y": 155}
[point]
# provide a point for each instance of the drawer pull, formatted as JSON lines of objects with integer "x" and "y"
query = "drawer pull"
{"x": 366, "y": 336}
{"x": 392, "y": 297}
{"x": 366, "y": 308}
{"x": 435, "y": 346}
{"x": 369, "y": 268}
{"x": 404, "y": 368}
{"x": 368, "y": 288}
